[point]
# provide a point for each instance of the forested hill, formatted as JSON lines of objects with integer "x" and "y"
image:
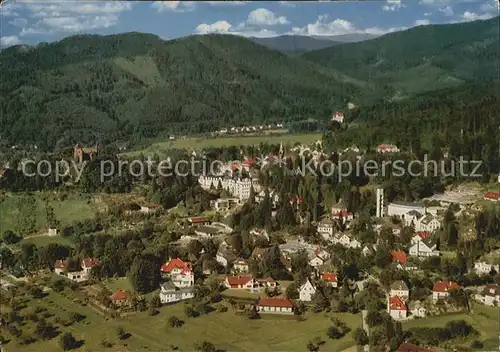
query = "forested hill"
{"x": 134, "y": 85}
{"x": 422, "y": 58}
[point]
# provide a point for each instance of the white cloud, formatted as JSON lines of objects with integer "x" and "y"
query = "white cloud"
{"x": 264, "y": 17}
{"x": 392, "y": 5}
{"x": 9, "y": 41}
{"x": 322, "y": 27}
{"x": 227, "y": 3}
{"x": 447, "y": 11}
{"x": 224, "y": 27}
{"x": 174, "y": 6}
{"x": 68, "y": 18}
{"x": 8, "y": 10}
{"x": 424, "y": 22}
{"x": 472, "y": 16}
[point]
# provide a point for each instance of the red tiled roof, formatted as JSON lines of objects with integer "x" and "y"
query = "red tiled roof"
{"x": 409, "y": 347}
{"x": 249, "y": 162}
{"x": 275, "y": 302}
{"x": 399, "y": 256}
{"x": 241, "y": 261}
{"x": 59, "y": 264}
{"x": 176, "y": 263}
{"x": 445, "y": 286}
{"x": 424, "y": 234}
{"x": 90, "y": 262}
{"x": 386, "y": 147}
{"x": 119, "y": 295}
{"x": 329, "y": 277}
{"x": 239, "y": 280}
{"x": 267, "y": 279}
{"x": 343, "y": 213}
{"x": 396, "y": 303}
{"x": 339, "y": 114}
{"x": 492, "y": 195}
{"x": 198, "y": 219}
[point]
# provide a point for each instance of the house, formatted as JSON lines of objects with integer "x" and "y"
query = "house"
{"x": 369, "y": 249}
{"x": 321, "y": 253}
{"x": 119, "y": 298}
{"x": 307, "y": 291}
{"x": 169, "y": 293}
{"x": 419, "y": 311}
{"x": 259, "y": 234}
{"x": 441, "y": 289}
{"x": 240, "y": 265}
{"x": 241, "y": 282}
{"x": 400, "y": 289}
{"x": 424, "y": 248}
{"x": 493, "y": 196}
{"x": 53, "y": 232}
{"x": 275, "y": 305}
{"x": 199, "y": 221}
{"x": 82, "y": 154}
{"x": 88, "y": 263}
{"x": 267, "y": 282}
{"x": 207, "y": 231}
{"x": 59, "y": 267}
{"x": 330, "y": 279}
{"x": 179, "y": 272}
{"x": 408, "y": 266}
{"x": 325, "y": 228}
{"x": 387, "y": 148}
{"x": 422, "y": 235}
{"x": 225, "y": 257}
{"x": 428, "y": 223}
{"x": 489, "y": 295}
{"x": 316, "y": 262}
{"x": 482, "y": 268}
{"x": 150, "y": 208}
{"x": 397, "y": 308}
{"x": 338, "y": 117}
{"x": 399, "y": 257}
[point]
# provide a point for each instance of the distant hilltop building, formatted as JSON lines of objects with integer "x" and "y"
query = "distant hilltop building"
{"x": 387, "y": 148}
{"x": 82, "y": 154}
{"x": 338, "y": 117}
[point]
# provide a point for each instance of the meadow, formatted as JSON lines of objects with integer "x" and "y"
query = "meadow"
{"x": 226, "y": 330}
{"x": 26, "y": 213}
{"x": 199, "y": 143}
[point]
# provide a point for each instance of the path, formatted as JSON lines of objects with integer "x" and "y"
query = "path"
{"x": 366, "y": 348}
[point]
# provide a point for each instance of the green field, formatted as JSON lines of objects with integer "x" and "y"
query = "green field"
{"x": 41, "y": 241}
{"x": 152, "y": 333}
{"x": 197, "y": 143}
{"x": 26, "y": 213}
{"x": 486, "y": 320}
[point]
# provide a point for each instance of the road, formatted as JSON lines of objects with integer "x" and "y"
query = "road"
{"x": 5, "y": 284}
{"x": 366, "y": 348}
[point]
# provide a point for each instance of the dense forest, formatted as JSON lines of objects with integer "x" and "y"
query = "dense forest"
{"x": 134, "y": 86}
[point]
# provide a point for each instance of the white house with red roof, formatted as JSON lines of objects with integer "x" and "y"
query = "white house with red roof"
{"x": 397, "y": 308}
{"x": 119, "y": 298}
{"x": 387, "y": 148}
{"x": 89, "y": 263}
{"x": 267, "y": 282}
{"x": 419, "y": 236}
{"x": 179, "y": 272}
{"x": 338, "y": 117}
{"x": 275, "y": 305}
{"x": 150, "y": 208}
{"x": 60, "y": 268}
{"x": 330, "y": 279}
{"x": 241, "y": 282}
{"x": 441, "y": 289}
{"x": 199, "y": 221}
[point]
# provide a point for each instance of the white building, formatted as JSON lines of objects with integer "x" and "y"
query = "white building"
{"x": 397, "y": 308}
{"x": 490, "y": 295}
{"x": 482, "y": 268}
{"x": 275, "y": 305}
{"x": 325, "y": 228}
{"x": 179, "y": 272}
{"x": 169, "y": 293}
{"x": 239, "y": 188}
{"x": 307, "y": 291}
{"x": 400, "y": 289}
{"x": 400, "y": 208}
{"x": 441, "y": 289}
{"x": 149, "y": 208}
{"x": 81, "y": 275}
{"x": 424, "y": 248}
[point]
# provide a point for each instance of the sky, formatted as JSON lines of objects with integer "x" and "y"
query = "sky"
{"x": 31, "y": 22}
